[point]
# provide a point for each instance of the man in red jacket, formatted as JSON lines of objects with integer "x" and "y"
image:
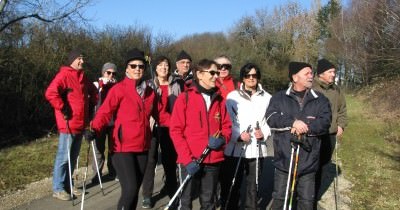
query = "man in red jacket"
{"x": 69, "y": 93}
{"x": 199, "y": 119}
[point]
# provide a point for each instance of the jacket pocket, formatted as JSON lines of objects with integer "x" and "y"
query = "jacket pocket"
{"x": 120, "y": 133}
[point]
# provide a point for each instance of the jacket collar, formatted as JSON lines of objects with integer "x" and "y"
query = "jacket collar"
{"x": 323, "y": 85}
{"x": 244, "y": 94}
{"x": 309, "y": 92}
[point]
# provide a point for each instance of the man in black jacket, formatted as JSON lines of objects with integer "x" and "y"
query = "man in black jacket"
{"x": 299, "y": 117}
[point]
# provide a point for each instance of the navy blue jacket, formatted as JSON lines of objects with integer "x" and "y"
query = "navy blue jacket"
{"x": 282, "y": 111}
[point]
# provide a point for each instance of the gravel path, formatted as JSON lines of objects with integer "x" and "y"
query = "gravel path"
{"x": 40, "y": 189}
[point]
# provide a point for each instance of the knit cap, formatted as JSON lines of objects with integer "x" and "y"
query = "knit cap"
{"x": 324, "y": 65}
{"x": 183, "y": 55}
{"x": 74, "y": 54}
{"x": 295, "y": 67}
{"x": 107, "y": 66}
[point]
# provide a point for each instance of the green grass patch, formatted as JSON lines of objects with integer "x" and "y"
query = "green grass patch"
{"x": 23, "y": 164}
{"x": 370, "y": 153}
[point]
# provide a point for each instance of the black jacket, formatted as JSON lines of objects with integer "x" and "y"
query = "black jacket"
{"x": 282, "y": 111}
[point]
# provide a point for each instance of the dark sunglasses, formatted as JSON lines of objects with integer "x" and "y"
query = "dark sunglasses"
{"x": 133, "y": 66}
{"x": 212, "y": 72}
{"x": 247, "y": 76}
{"x": 111, "y": 72}
{"x": 225, "y": 66}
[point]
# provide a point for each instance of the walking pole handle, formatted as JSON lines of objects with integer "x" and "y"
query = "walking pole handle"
{"x": 206, "y": 151}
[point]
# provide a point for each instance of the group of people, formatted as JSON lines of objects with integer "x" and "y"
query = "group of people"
{"x": 208, "y": 126}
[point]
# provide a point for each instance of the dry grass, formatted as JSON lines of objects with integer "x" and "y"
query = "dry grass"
{"x": 23, "y": 164}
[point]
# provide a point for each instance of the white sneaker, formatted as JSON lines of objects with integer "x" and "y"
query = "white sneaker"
{"x": 62, "y": 195}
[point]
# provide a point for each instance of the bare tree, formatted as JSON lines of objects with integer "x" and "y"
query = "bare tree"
{"x": 12, "y": 12}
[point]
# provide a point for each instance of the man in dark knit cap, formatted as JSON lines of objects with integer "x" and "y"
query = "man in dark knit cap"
{"x": 70, "y": 94}
{"x": 183, "y": 75}
{"x": 298, "y": 117}
{"x": 324, "y": 82}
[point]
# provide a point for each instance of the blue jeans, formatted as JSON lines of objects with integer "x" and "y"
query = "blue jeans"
{"x": 60, "y": 172}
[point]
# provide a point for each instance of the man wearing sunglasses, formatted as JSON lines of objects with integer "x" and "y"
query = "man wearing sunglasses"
{"x": 103, "y": 85}
{"x": 225, "y": 81}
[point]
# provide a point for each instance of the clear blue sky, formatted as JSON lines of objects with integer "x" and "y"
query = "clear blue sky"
{"x": 177, "y": 17}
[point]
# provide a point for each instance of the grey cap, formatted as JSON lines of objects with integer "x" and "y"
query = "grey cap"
{"x": 108, "y": 65}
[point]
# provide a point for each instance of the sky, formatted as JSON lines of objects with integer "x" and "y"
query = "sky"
{"x": 178, "y": 18}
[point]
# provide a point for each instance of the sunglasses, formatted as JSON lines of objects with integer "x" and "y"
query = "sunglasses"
{"x": 133, "y": 66}
{"x": 225, "y": 66}
{"x": 212, "y": 72}
{"x": 111, "y": 72}
{"x": 247, "y": 76}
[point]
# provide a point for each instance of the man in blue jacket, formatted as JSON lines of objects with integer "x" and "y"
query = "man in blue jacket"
{"x": 298, "y": 116}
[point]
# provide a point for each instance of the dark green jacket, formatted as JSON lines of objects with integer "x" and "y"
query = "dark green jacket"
{"x": 338, "y": 103}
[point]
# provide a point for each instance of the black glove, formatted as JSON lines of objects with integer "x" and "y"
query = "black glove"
{"x": 90, "y": 135}
{"x": 192, "y": 168}
{"x": 215, "y": 143}
{"x": 301, "y": 141}
{"x": 66, "y": 111}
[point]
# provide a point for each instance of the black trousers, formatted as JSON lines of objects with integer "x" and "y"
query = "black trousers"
{"x": 130, "y": 169}
{"x": 247, "y": 169}
{"x": 168, "y": 159}
{"x": 205, "y": 182}
{"x": 303, "y": 193}
{"x": 328, "y": 143}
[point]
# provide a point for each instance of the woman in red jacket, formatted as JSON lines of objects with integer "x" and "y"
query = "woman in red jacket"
{"x": 132, "y": 101}
{"x": 199, "y": 119}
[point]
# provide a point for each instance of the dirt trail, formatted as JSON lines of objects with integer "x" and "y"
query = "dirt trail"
{"x": 40, "y": 190}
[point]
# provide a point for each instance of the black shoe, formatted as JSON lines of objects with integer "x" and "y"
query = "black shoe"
{"x": 146, "y": 203}
{"x": 95, "y": 180}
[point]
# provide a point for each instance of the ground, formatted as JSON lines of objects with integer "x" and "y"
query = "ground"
{"x": 37, "y": 195}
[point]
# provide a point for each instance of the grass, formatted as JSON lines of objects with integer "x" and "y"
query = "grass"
{"x": 23, "y": 164}
{"x": 370, "y": 153}
{"x": 371, "y": 157}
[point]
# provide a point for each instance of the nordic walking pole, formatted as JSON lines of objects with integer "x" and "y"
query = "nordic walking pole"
{"x": 258, "y": 157}
{"x": 206, "y": 151}
{"x": 236, "y": 170}
{"x": 288, "y": 180}
{"x": 97, "y": 166}
{"x": 336, "y": 185}
{"x": 294, "y": 176}
{"x": 69, "y": 161}
{"x": 84, "y": 178}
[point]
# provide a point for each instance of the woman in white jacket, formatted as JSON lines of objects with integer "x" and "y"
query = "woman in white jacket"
{"x": 247, "y": 107}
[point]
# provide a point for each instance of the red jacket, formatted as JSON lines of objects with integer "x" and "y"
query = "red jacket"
{"x": 79, "y": 91}
{"x": 132, "y": 114}
{"x": 191, "y": 125}
{"x": 226, "y": 85}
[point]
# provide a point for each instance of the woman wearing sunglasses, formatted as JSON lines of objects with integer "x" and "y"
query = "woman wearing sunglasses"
{"x": 246, "y": 107}
{"x": 131, "y": 102}
{"x": 103, "y": 85}
{"x": 200, "y": 120}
